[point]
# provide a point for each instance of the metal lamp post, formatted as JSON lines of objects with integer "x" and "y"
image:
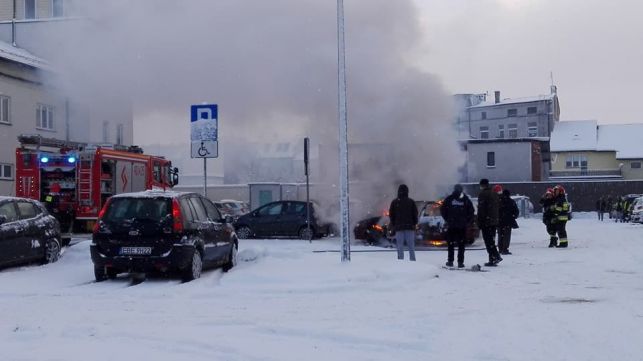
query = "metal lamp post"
{"x": 343, "y": 135}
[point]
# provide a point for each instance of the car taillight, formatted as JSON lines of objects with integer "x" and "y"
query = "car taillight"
{"x": 100, "y": 216}
{"x": 177, "y": 225}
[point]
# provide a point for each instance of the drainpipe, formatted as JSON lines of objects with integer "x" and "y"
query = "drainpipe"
{"x": 13, "y": 25}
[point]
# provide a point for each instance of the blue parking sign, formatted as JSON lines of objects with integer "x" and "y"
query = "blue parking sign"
{"x": 204, "y": 122}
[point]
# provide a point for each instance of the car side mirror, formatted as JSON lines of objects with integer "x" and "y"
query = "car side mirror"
{"x": 3, "y": 219}
{"x": 175, "y": 176}
{"x": 229, "y": 219}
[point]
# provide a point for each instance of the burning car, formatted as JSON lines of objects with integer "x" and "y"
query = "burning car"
{"x": 432, "y": 229}
{"x": 374, "y": 230}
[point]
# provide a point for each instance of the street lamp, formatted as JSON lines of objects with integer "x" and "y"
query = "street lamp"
{"x": 343, "y": 136}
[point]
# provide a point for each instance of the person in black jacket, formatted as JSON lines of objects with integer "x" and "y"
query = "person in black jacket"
{"x": 404, "y": 218}
{"x": 507, "y": 221}
{"x": 457, "y": 211}
{"x": 488, "y": 210}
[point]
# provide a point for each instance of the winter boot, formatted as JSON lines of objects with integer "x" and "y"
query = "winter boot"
{"x": 449, "y": 264}
{"x": 460, "y": 265}
{"x": 562, "y": 244}
{"x": 491, "y": 264}
{"x": 553, "y": 242}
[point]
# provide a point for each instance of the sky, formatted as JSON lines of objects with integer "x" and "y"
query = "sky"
{"x": 592, "y": 47}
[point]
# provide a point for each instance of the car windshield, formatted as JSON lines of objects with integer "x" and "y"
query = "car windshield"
{"x": 432, "y": 209}
{"x": 142, "y": 209}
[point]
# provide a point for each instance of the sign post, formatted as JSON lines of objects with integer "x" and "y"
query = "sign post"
{"x": 306, "y": 159}
{"x": 343, "y": 135}
{"x": 204, "y": 136}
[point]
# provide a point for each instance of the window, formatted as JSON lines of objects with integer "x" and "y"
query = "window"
{"x": 295, "y": 208}
{"x": 271, "y": 210}
{"x": 45, "y": 117}
{"x": 9, "y": 210}
{"x": 197, "y": 206}
{"x": 491, "y": 159}
{"x": 513, "y": 130}
{"x": 483, "y": 115}
{"x": 213, "y": 212}
{"x": 27, "y": 210}
{"x": 6, "y": 171}
{"x": 119, "y": 134}
{"x": 501, "y": 131}
{"x": 4, "y": 110}
{"x": 576, "y": 161}
{"x": 512, "y": 112}
{"x": 635, "y": 165}
{"x": 532, "y": 129}
{"x": 532, "y": 110}
{"x": 30, "y": 9}
{"x": 57, "y": 9}
{"x": 484, "y": 132}
{"x": 156, "y": 171}
{"x": 105, "y": 131}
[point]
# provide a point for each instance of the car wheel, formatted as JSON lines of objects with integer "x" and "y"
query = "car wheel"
{"x": 305, "y": 233}
{"x": 100, "y": 274}
{"x": 244, "y": 232}
{"x": 193, "y": 270}
{"x": 232, "y": 258}
{"x": 52, "y": 251}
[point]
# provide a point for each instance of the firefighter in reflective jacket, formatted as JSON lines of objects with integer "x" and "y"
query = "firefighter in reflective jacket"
{"x": 561, "y": 212}
{"x": 548, "y": 203}
{"x": 52, "y": 199}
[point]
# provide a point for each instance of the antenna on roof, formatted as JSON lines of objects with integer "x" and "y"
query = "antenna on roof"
{"x": 553, "y": 87}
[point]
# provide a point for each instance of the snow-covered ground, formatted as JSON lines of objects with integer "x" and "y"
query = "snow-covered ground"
{"x": 284, "y": 302}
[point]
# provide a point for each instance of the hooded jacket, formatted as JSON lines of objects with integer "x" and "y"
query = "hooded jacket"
{"x": 488, "y": 208}
{"x": 508, "y": 212}
{"x": 457, "y": 210}
{"x": 403, "y": 211}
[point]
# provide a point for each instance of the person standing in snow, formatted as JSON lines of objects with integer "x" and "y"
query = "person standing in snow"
{"x": 561, "y": 209}
{"x": 457, "y": 211}
{"x": 507, "y": 221}
{"x": 488, "y": 209}
{"x": 547, "y": 202}
{"x": 404, "y": 218}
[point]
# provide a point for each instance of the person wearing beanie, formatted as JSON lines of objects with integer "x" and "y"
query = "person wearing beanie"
{"x": 488, "y": 212}
{"x": 507, "y": 221}
{"x": 457, "y": 211}
{"x": 404, "y": 218}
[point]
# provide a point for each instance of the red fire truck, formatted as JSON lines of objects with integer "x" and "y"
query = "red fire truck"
{"x": 75, "y": 179}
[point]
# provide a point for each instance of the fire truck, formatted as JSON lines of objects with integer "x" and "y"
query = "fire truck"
{"x": 75, "y": 179}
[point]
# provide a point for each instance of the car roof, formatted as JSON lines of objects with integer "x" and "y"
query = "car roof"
{"x": 154, "y": 194}
{"x": 9, "y": 198}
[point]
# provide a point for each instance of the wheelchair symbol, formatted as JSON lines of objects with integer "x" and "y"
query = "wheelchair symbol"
{"x": 203, "y": 151}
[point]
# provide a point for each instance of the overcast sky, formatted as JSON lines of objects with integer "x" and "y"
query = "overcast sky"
{"x": 593, "y": 47}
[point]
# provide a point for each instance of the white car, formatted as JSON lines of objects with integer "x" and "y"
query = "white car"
{"x": 637, "y": 210}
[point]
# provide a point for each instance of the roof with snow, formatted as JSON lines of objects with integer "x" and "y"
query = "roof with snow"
{"x": 22, "y": 56}
{"x": 509, "y": 101}
{"x": 587, "y": 135}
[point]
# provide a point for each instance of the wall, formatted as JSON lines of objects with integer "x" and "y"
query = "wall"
{"x": 497, "y": 115}
{"x": 582, "y": 194}
{"x": 512, "y": 161}
{"x": 628, "y": 171}
{"x": 595, "y": 160}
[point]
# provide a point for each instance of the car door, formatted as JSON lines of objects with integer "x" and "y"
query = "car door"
{"x": 206, "y": 230}
{"x": 267, "y": 221}
{"x": 31, "y": 246}
{"x": 222, "y": 230}
{"x": 10, "y": 233}
{"x": 293, "y": 218}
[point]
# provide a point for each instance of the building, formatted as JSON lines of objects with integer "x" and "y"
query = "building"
{"x": 588, "y": 150}
{"x": 494, "y": 132}
{"x": 30, "y": 100}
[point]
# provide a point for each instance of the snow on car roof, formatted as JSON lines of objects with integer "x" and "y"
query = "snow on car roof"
{"x": 10, "y": 198}
{"x": 151, "y": 194}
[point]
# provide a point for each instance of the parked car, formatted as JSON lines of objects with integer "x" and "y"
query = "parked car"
{"x": 637, "y": 210}
{"x": 161, "y": 231}
{"x": 282, "y": 219}
{"x": 28, "y": 233}
{"x": 431, "y": 229}
{"x": 232, "y": 208}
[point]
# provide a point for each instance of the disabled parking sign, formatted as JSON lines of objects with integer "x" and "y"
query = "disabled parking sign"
{"x": 204, "y": 131}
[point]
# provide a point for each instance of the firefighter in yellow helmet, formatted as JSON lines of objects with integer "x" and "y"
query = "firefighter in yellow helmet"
{"x": 561, "y": 215}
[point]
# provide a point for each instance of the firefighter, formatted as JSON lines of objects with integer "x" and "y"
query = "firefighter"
{"x": 547, "y": 202}
{"x": 561, "y": 215}
{"x": 52, "y": 199}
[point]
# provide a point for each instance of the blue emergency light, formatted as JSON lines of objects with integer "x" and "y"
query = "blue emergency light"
{"x": 44, "y": 159}
{"x": 71, "y": 159}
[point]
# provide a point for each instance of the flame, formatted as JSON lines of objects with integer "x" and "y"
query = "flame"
{"x": 378, "y": 227}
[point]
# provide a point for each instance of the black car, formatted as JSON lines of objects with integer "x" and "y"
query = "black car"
{"x": 281, "y": 219}
{"x": 158, "y": 231}
{"x": 28, "y": 233}
{"x": 374, "y": 230}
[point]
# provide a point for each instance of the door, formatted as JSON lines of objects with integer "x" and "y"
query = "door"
{"x": 33, "y": 237}
{"x": 293, "y": 218}
{"x": 10, "y": 234}
{"x": 267, "y": 221}
{"x": 206, "y": 230}
{"x": 222, "y": 237}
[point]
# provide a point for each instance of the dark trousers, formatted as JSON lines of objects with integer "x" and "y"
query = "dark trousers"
{"x": 562, "y": 233}
{"x": 456, "y": 237}
{"x": 600, "y": 215}
{"x": 551, "y": 230}
{"x": 488, "y": 234}
{"x": 504, "y": 238}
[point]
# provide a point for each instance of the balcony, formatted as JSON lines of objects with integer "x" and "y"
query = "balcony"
{"x": 586, "y": 173}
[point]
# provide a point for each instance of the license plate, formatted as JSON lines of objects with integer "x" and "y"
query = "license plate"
{"x": 136, "y": 251}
